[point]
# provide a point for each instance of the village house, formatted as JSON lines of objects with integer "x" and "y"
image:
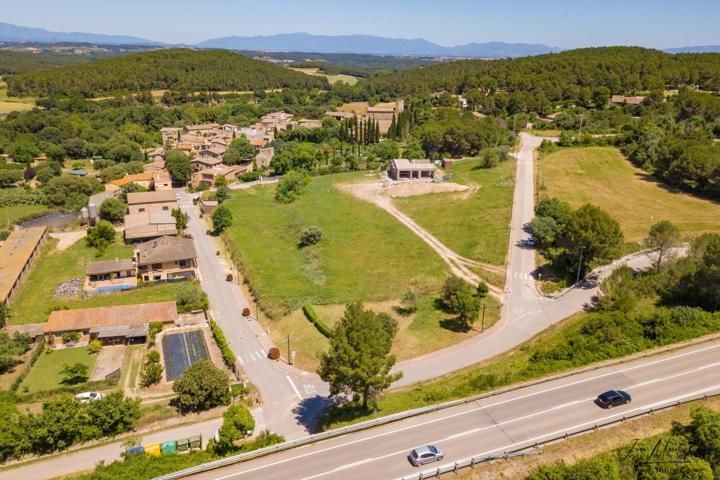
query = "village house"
{"x": 122, "y": 324}
{"x": 264, "y": 157}
{"x": 162, "y": 180}
{"x": 16, "y": 257}
{"x": 622, "y": 99}
{"x": 144, "y": 179}
{"x": 160, "y": 201}
{"x": 203, "y": 129}
{"x": 403, "y": 169}
{"x": 156, "y": 154}
{"x": 209, "y": 176}
{"x": 276, "y": 121}
{"x": 166, "y": 259}
{"x": 203, "y": 162}
{"x": 339, "y": 115}
{"x": 154, "y": 166}
{"x": 213, "y": 152}
{"x": 208, "y": 206}
{"x": 150, "y": 224}
{"x": 384, "y": 115}
{"x": 308, "y": 123}
{"x": 170, "y": 135}
{"x": 110, "y": 276}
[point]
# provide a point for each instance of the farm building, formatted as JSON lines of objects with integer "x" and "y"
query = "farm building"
{"x": 16, "y": 257}
{"x": 403, "y": 169}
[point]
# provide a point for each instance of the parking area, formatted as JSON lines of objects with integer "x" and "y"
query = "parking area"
{"x": 180, "y": 350}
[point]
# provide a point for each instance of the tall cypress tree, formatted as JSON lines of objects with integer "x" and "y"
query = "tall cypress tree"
{"x": 392, "y": 129}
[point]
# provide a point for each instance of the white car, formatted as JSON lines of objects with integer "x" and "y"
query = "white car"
{"x": 86, "y": 397}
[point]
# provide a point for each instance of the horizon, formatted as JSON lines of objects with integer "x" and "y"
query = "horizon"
{"x": 660, "y": 24}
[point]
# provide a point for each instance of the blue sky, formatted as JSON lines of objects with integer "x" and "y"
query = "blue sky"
{"x": 561, "y": 23}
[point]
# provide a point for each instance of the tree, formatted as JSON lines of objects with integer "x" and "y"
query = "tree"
{"x": 123, "y": 154}
{"x": 240, "y": 150}
{"x": 221, "y": 219}
{"x": 181, "y": 219}
{"x": 618, "y": 292}
{"x": 101, "y": 235}
{"x": 75, "y": 373}
{"x": 69, "y": 191}
{"x": 459, "y": 298}
{"x": 291, "y": 186}
{"x": 358, "y": 360}
{"x": 10, "y": 176}
{"x": 663, "y": 236}
{"x": 152, "y": 370}
{"x": 238, "y": 422}
{"x": 591, "y": 238}
{"x": 202, "y": 387}
{"x": 309, "y": 236}
{"x": 191, "y": 297}
{"x": 178, "y": 165}
{"x": 113, "y": 414}
{"x": 3, "y": 314}
{"x": 222, "y": 193}
{"x": 482, "y": 290}
{"x": 112, "y": 210}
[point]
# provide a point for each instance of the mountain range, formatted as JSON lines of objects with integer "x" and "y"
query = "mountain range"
{"x": 305, "y": 42}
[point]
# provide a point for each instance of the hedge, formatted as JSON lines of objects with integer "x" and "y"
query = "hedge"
{"x": 310, "y": 314}
{"x": 39, "y": 349}
{"x": 227, "y": 353}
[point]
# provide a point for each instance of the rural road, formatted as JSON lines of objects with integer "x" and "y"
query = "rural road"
{"x": 495, "y": 424}
{"x": 291, "y": 402}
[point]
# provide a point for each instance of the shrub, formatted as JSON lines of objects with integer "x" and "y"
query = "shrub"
{"x": 191, "y": 297}
{"x": 238, "y": 390}
{"x": 246, "y": 312}
{"x": 227, "y": 353}
{"x": 274, "y": 353}
{"x": 291, "y": 186}
{"x": 309, "y": 236}
{"x": 250, "y": 176}
{"x": 95, "y": 346}
{"x": 238, "y": 422}
{"x": 151, "y": 373}
{"x": 311, "y": 315}
{"x": 229, "y": 277}
{"x": 153, "y": 330}
{"x": 33, "y": 358}
{"x": 70, "y": 337}
{"x": 153, "y": 356}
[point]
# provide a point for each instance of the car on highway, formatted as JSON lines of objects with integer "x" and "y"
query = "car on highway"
{"x": 613, "y": 398}
{"x": 530, "y": 242}
{"x": 425, "y": 454}
{"x": 87, "y": 397}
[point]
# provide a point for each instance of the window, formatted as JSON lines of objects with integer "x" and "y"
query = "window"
{"x": 184, "y": 263}
{"x": 166, "y": 208}
{"x": 141, "y": 210}
{"x": 156, "y": 277}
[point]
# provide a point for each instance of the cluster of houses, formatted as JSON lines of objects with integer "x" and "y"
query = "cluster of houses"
{"x": 382, "y": 115}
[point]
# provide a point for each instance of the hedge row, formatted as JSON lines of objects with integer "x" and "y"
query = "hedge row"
{"x": 39, "y": 349}
{"x": 227, "y": 353}
{"x": 310, "y": 314}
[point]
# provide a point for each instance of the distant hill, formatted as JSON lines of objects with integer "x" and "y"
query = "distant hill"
{"x": 695, "y": 49}
{"x": 15, "y": 33}
{"x": 175, "y": 69}
{"x": 373, "y": 45}
{"x": 18, "y": 62}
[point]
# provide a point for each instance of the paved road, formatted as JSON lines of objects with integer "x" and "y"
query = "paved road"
{"x": 494, "y": 424}
{"x": 290, "y": 402}
{"x": 82, "y": 460}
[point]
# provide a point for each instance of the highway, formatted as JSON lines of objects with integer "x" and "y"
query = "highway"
{"x": 494, "y": 424}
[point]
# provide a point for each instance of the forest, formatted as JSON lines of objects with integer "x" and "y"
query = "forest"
{"x": 173, "y": 69}
{"x": 18, "y": 62}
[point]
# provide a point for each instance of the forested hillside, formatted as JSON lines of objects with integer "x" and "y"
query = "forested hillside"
{"x": 562, "y": 75}
{"x": 19, "y": 62}
{"x": 176, "y": 69}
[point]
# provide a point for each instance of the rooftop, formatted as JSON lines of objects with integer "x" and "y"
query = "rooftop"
{"x": 165, "y": 249}
{"x": 135, "y": 198}
{"x": 14, "y": 254}
{"x": 88, "y": 318}
{"x": 405, "y": 164}
{"x": 136, "y": 177}
{"x": 109, "y": 266}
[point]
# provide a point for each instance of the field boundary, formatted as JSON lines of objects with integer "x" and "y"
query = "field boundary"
{"x": 224, "y": 462}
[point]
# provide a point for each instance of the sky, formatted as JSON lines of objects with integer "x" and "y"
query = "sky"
{"x": 558, "y": 23}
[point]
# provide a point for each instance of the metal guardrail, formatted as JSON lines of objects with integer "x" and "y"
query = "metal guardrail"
{"x": 338, "y": 432}
{"x": 522, "y": 450}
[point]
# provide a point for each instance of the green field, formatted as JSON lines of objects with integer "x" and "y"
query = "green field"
{"x": 601, "y": 175}
{"x": 45, "y": 374}
{"x": 474, "y": 223}
{"x": 365, "y": 254}
{"x": 421, "y": 332}
{"x": 35, "y": 299}
{"x": 333, "y": 79}
{"x": 10, "y": 215}
{"x": 13, "y": 104}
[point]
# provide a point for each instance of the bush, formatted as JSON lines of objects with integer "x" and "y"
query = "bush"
{"x": 291, "y": 186}
{"x": 95, "y": 346}
{"x": 33, "y": 358}
{"x": 153, "y": 330}
{"x": 202, "y": 387}
{"x": 274, "y": 353}
{"x": 311, "y": 315}
{"x": 238, "y": 390}
{"x": 246, "y": 312}
{"x": 309, "y": 236}
{"x": 227, "y": 353}
{"x": 238, "y": 422}
{"x": 153, "y": 356}
{"x": 70, "y": 337}
{"x": 229, "y": 277}
{"x": 152, "y": 372}
{"x": 250, "y": 176}
{"x": 191, "y": 297}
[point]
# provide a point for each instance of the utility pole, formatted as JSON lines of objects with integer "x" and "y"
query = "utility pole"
{"x": 577, "y": 280}
{"x": 482, "y": 324}
{"x": 290, "y": 360}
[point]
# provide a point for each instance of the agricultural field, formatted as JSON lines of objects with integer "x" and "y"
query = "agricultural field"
{"x": 13, "y": 104}
{"x": 54, "y": 267}
{"x": 601, "y": 175}
{"x": 333, "y": 79}
{"x": 420, "y": 332}
{"x": 365, "y": 254}
{"x": 473, "y": 223}
{"x": 45, "y": 374}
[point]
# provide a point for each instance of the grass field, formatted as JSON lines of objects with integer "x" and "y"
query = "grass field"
{"x": 601, "y": 175}
{"x": 424, "y": 331}
{"x": 473, "y": 224}
{"x": 333, "y": 79}
{"x": 45, "y": 374}
{"x": 364, "y": 254}
{"x": 10, "y": 215}
{"x": 13, "y": 104}
{"x": 35, "y": 300}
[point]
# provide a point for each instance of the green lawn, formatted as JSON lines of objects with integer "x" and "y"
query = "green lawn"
{"x": 475, "y": 223}
{"x": 365, "y": 254}
{"x": 601, "y": 175}
{"x": 45, "y": 374}
{"x": 35, "y": 300}
{"x": 10, "y": 215}
{"x": 421, "y": 332}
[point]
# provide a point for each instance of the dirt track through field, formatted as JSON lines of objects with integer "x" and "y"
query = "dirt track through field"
{"x": 373, "y": 192}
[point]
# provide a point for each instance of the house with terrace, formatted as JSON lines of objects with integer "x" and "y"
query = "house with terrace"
{"x": 110, "y": 276}
{"x": 166, "y": 259}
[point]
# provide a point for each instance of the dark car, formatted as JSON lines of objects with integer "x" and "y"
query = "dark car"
{"x": 425, "y": 454}
{"x": 613, "y": 398}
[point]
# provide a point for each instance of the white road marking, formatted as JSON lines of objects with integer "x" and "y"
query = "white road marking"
{"x": 297, "y": 392}
{"x": 260, "y": 354}
{"x": 465, "y": 412}
{"x": 240, "y": 359}
{"x": 309, "y": 389}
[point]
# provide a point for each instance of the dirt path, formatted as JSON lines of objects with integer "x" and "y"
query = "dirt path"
{"x": 374, "y": 192}
{"x": 67, "y": 239}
